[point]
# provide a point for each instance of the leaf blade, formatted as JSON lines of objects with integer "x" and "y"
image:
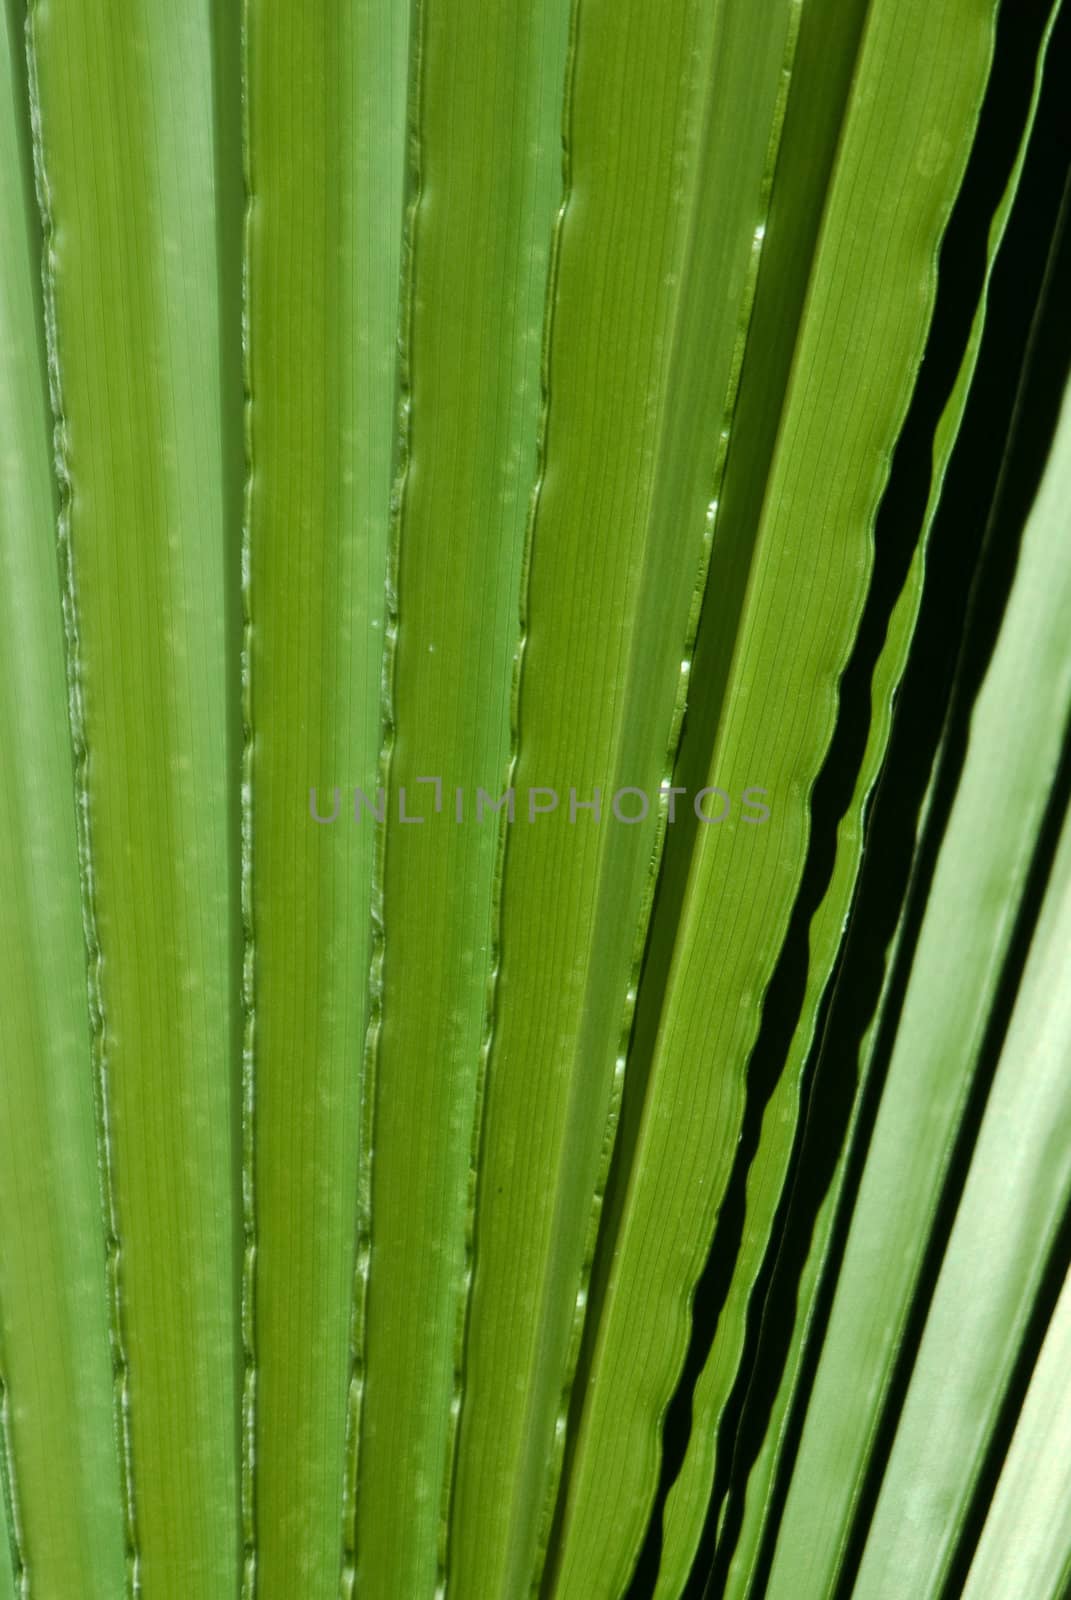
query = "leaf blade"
{"x": 478, "y": 248}
{"x": 658, "y": 360}
{"x": 837, "y": 429}
{"x": 1013, "y": 1202}
{"x": 1025, "y": 1545}
{"x": 980, "y": 870}
{"x": 323, "y": 146}
{"x": 123, "y": 178}
{"x": 61, "y": 1470}
{"x": 770, "y": 1163}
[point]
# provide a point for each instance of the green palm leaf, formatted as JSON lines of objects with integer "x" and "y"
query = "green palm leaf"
{"x": 1025, "y": 1546}
{"x": 1017, "y": 730}
{"x": 127, "y": 188}
{"x": 687, "y": 1501}
{"x": 476, "y": 490}
{"x": 815, "y": 518}
{"x": 1013, "y": 1203}
{"x": 56, "y": 1418}
{"x": 322, "y": 216}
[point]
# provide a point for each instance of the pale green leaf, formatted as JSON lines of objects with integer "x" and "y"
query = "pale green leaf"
{"x": 1016, "y": 732}
{"x": 1014, "y": 1201}
{"x": 485, "y": 186}
{"x": 124, "y": 134}
{"x": 57, "y": 1424}
{"x": 1025, "y": 1545}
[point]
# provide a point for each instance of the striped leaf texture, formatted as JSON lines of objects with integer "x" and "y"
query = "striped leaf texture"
{"x": 535, "y": 853}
